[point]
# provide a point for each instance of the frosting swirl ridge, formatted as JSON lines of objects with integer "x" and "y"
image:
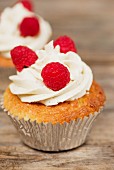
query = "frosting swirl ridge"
{"x": 29, "y": 86}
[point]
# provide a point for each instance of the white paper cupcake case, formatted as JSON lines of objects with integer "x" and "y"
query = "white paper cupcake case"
{"x": 48, "y": 137}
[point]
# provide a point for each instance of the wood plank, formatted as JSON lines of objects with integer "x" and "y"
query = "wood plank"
{"x": 89, "y": 24}
{"x": 97, "y": 153}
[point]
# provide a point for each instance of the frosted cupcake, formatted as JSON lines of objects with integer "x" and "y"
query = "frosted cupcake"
{"x": 20, "y": 26}
{"x": 53, "y": 99}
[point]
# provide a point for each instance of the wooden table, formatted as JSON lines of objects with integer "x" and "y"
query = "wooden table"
{"x": 91, "y": 24}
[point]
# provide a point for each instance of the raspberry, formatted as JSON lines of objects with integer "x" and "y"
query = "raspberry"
{"x": 55, "y": 76}
{"x": 27, "y": 4}
{"x": 29, "y": 26}
{"x": 66, "y": 44}
{"x": 23, "y": 57}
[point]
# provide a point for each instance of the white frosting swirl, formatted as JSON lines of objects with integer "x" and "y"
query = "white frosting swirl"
{"x": 29, "y": 86}
{"x": 10, "y": 34}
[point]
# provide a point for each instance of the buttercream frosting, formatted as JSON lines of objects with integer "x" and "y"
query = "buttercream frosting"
{"x": 29, "y": 86}
{"x": 10, "y": 36}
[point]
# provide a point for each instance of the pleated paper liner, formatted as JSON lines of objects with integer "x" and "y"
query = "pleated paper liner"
{"x": 58, "y": 137}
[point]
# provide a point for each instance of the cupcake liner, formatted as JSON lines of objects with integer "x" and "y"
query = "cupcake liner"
{"x": 49, "y": 137}
{"x": 5, "y": 72}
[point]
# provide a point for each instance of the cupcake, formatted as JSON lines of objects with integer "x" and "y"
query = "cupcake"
{"x": 21, "y": 26}
{"x": 53, "y": 100}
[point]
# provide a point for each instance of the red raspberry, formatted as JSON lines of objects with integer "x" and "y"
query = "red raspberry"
{"x": 27, "y": 4}
{"x": 66, "y": 44}
{"x": 23, "y": 57}
{"x": 55, "y": 76}
{"x": 29, "y": 26}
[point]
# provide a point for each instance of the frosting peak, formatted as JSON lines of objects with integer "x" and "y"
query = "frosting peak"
{"x": 29, "y": 86}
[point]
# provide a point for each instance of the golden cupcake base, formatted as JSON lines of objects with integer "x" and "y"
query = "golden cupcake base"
{"x": 54, "y": 138}
{"x": 54, "y": 128}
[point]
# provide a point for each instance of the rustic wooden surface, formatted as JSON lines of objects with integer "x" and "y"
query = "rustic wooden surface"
{"x": 91, "y": 24}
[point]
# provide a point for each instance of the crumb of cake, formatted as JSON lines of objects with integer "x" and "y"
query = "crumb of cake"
{"x": 63, "y": 112}
{"x": 4, "y": 62}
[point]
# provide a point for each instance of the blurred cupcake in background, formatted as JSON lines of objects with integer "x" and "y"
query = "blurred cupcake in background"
{"x": 53, "y": 100}
{"x": 19, "y": 25}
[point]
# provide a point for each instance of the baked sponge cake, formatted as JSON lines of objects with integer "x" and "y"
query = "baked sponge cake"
{"x": 63, "y": 112}
{"x": 53, "y": 100}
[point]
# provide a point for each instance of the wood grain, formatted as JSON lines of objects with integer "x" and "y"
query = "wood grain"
{"x": 91, "y": 24}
